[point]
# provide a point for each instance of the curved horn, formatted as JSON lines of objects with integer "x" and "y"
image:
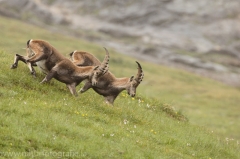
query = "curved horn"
{"x": 70, "y": 54}
{"x": 140, "y": 74}
{"x": 101, "y": 70}
{"x": 104, "y": 65}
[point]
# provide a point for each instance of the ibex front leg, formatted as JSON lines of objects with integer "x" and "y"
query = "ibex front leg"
{"x": 86, "y": 86}
{"x": 32, "y": 70}
{"x": 109, "y": 99}
{"x": 23, "y": 59}
{"x": 72, "y": 88}
{"x": 49, "y": 76}
{"x": 16, "y": 59}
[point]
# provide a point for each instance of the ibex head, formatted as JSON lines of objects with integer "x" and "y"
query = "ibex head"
{"x": 134, "y": 82}
{"x": 37, "y": 46}
{"x": 100, "y": 70}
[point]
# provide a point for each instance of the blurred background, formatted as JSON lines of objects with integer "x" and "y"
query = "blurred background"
{"x": 202, "y": 37}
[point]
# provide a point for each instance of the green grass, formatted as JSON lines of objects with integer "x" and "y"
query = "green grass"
{"x": 45, "y": 120}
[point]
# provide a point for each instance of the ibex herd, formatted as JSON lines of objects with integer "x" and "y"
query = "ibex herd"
{"x": 81, "y": 66}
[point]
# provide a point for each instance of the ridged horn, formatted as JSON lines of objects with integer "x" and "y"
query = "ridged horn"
{"x": 140, "y": 74}
{"x": 104, "y": 65}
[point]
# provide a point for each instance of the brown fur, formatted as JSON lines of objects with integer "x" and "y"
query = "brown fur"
{"x": 108, "y": 85}
{"x": 81, "y": 58}
{"x": 55, "y": 65}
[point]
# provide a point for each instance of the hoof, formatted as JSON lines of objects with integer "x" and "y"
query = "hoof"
{"x": 14, "y": 66}
{"x": 81, "y": 90}
{"x": 33, "y": 74}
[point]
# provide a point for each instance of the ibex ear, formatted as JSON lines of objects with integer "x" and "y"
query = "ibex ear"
{"x": 131, "y": 78}
{"x": 28, "y": 42}
{"x": 96, "y": 68}
{"x": 71, "y": 54}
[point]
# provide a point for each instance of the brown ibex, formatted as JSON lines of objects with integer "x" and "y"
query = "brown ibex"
{"x": 108, "y": 85}
{"x": 57, "y": 66}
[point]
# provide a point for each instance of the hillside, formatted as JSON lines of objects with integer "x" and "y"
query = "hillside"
{"x": 198, "y": 36}
{"x": 45, "y": 120}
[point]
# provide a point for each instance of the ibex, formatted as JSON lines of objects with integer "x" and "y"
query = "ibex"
{"x": 108, "y": 85}
{"x": 57, "y": 66}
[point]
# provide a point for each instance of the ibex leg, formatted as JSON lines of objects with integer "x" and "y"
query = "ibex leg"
{"x": 23, "y": 59}
{"x": 72, "y": 88}
{"x": 109, "y": 99}
{"x": 49, "y": 76}
{"x": 16, "y": 59}
{"x": 32, "y": 70}
{"x": 86, "y": 86}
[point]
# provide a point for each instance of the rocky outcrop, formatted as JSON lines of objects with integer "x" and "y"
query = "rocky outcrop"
{"x": 172, "y": 32}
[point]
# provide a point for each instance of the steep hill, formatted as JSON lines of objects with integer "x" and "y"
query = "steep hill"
{"x": 46, "y": 121}
{"x": 198, "y": 36}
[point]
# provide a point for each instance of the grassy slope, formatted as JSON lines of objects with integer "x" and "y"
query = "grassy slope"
{"x": 46, "y": 118}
